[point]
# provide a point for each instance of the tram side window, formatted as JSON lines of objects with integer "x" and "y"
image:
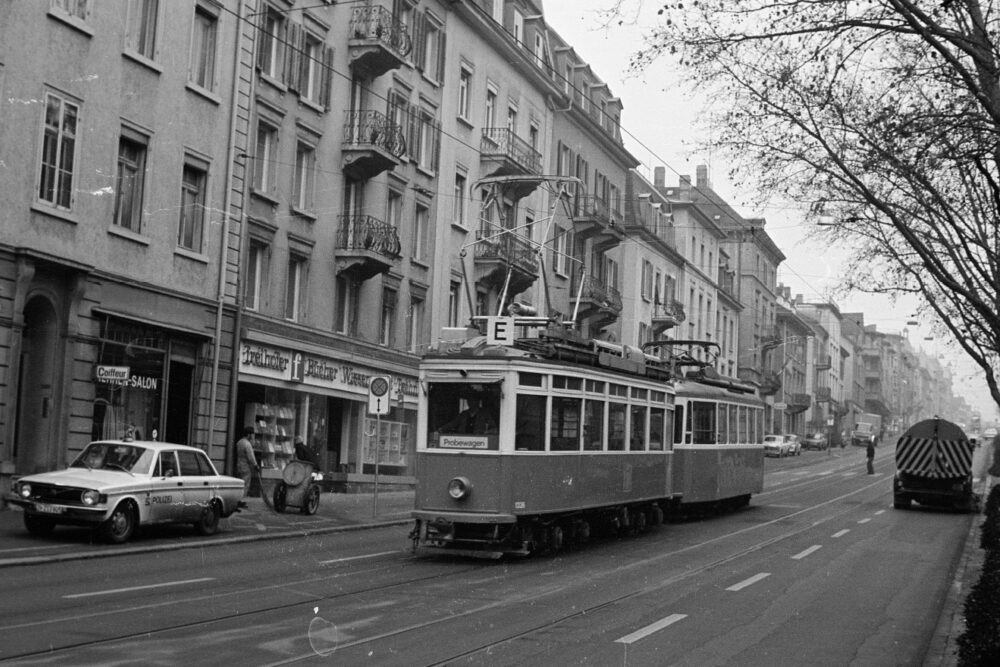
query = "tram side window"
{"x": 745, "y": 434}
{"x": 530, "y": 423}
{"x": 724, "y": 424}
{"x": 703, "y": 422}
{"x": 733, "y": 421}
{"x": 637, "y": 442}
{"x": 564, "y": 435}
{"x": 656, "y": 429}
{"x": 679, "y": 423}
{"x": 593, "y": 426}
{"x": 616, "y": 427}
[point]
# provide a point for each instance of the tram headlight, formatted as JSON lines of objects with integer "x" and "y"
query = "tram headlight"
{"x": 459, "y": 488}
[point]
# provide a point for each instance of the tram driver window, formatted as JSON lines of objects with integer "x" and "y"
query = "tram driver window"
{"x": 466, "y": 409}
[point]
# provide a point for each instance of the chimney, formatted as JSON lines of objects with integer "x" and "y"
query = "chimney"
{"x": 701, "y": 177}
{"x": 798, "y": 299}
{"x": 659, "y": 177}
{"x": 685, "y": 187}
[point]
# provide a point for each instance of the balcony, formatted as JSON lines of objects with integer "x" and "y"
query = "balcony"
{"x": 497, "y": 252}
{"x": 797, "y": 403}
{"x": 823, "y": 395}
{"x": 372, "y": 144}
{"x": 592, "y": 220}
{"x": 824, "y": 363}
{"x": 597, "y": 304}
{"x": 510, "y": 155}
{"x": 667, "y": 316}
{"x": 378, "y": 42}
{"x": 366, "y": 246}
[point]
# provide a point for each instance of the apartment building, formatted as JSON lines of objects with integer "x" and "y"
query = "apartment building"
{"x": 115, "y": 226}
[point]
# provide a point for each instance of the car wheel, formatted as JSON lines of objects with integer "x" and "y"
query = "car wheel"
{"x": 280, "y": 502}
{"x": 120, "y": 526}
{"x": 311, "y": 505}
{"x": 208, "y": 524}
{"x": 37, "y": 525}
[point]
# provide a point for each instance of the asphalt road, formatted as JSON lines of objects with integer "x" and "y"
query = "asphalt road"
{"x": 819, "y": 570}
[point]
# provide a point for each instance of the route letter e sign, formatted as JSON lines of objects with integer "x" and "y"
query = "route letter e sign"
{"x": 500, "y": 330}
{"x": 378, "y": 395}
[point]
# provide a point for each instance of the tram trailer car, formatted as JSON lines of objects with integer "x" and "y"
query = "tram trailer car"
{"x": 563, "y": 446}
{"x": 718, "y": 458}
{"x": 934, "y": 467}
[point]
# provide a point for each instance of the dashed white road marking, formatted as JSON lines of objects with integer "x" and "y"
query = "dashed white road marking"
{"x": 139, "y": 588}
{"x": 864, "y": 520}
{"x": 650, "y": 629}
{"x": 841, "y": 533}
{"x": 803, "y": 554}
{"x": 350, "y": 558}
{"x": 749, "y": 582}
{"x": 879, "y": 512}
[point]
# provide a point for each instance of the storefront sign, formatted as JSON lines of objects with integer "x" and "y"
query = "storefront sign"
{"x": 280, "y": 364}
{"x": 120, "y": 375}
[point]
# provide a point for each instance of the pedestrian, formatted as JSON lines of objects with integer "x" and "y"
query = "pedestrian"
{"x": 303, "y": 453}
{"x": 246, "y": 461}
{"x": 871, "y": 455}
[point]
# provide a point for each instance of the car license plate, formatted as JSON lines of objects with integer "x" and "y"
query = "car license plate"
{"x": 48, "y": 509}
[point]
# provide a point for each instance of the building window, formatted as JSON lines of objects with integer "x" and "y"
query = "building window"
{"x": 387, "y": 325}
{"x": 427, "y": 140}
{"x": 431, "y": 62}
{"x": 192, "y": 221}
{"x": 533, "y": 136}
{"x": 458, "y": 216}
{"x": 305, "y": 176}
{"x": 58, "y": 151}
{"x": 75, "y": 8}
{"x": 560, "y": 252}
{"x": 454, "y": 303}
{"x": 498, "y": 11}
{"x": 203, "y": 47}
{"x": 539, "y": 49}
{"x": 512, "y": 119}
{"x": 271, "y": 55}
{"x": 518, "y": 26}
{"x": 647, "y": 280}
{"x": 347, "y": 305}
{"x": 129, "y": 184}
{"x": 265, "y": 159}
{"x": 420, "y": 232}
{"x": 416, "y": 325}
{"x": 394, "y": 209}
{"x": 141, "y": 34}
{"x": 489, "y": 119}
{"x": 256, "y": 275}
{"x": 464, "y": 90}
{"x": 295, "y": 287}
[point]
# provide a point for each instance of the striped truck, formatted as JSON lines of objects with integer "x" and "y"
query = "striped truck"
{"x": 934, "y": 467}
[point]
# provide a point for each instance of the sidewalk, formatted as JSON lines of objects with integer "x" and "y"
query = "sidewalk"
{"x": 258, "y": 521}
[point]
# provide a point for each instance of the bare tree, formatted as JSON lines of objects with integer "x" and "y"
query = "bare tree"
{"x": 882, "y": 117}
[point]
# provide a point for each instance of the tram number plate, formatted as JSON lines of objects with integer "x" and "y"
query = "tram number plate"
{"x": 48, "y": 509}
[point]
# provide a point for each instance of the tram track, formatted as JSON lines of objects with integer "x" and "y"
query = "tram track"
{"x": 509, "y": 601}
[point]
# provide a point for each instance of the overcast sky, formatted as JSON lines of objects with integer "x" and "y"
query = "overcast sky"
{"x": 658, "y": 124}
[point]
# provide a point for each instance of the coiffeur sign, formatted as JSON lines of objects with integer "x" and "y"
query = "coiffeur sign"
{"x": 290, "y": 366}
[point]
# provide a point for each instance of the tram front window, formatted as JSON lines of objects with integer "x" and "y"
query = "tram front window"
{"x": 466, "y": 409}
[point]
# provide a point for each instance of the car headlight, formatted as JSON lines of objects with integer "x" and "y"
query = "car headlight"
{"x": 459, "y": 487}
{"x": 90, "y": 497}
{"x": 24, "y": 490}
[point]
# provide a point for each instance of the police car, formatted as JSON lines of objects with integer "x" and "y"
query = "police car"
{"x": 118, "y": 485}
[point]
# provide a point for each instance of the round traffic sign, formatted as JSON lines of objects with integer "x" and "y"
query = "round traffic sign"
{"x": 379, "y": 386}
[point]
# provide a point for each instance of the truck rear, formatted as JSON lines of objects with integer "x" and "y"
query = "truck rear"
{"x": 934, "y": 467}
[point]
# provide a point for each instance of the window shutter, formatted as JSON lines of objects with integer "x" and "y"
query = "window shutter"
{"x": 441, "y": 56}
{"x": 261, "y": 32}
{"x": 293, "y": 56}
{"x": 419, "y": 45}
{"x": 327, "y": 77}
{"x": 436, "y": 159}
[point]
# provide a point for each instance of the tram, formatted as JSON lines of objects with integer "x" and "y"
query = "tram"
{"x": 525, "y": 447}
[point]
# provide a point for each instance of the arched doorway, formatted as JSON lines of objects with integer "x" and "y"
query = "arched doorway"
{"x": 34, "y": 449}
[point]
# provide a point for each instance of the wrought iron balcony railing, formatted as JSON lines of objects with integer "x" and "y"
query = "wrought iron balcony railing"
{"x": 363, "y": 232}
{"x": 592, "y": 207}
{"x": 372, "y": 128}
{"x": 596, "y": 291}
{"x": 671, "y": 309}
{"x": 510, "y": 248}
{"x": 499, "y": 142}
{"x": 378, "y": 23}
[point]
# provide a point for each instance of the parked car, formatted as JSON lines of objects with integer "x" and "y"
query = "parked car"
{"x": 794, "y": 445}
{"x": 775, "y": 445}
{"x": 118, "y": 485}
{"x": 817, "y": 441}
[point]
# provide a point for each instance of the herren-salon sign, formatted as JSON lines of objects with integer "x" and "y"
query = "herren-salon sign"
{"x": 281, "y": 364}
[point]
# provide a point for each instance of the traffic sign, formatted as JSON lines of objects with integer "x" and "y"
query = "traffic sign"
{"x": 378, "y": 395}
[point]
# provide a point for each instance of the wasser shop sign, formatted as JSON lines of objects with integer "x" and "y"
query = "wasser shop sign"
{"x": 123, "y": 377}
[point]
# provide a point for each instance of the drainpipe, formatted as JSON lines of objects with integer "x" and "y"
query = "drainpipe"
{"x": 224, "y": 245}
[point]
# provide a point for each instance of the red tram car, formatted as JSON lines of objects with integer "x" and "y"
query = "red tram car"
{"x": 526, "y": 447}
